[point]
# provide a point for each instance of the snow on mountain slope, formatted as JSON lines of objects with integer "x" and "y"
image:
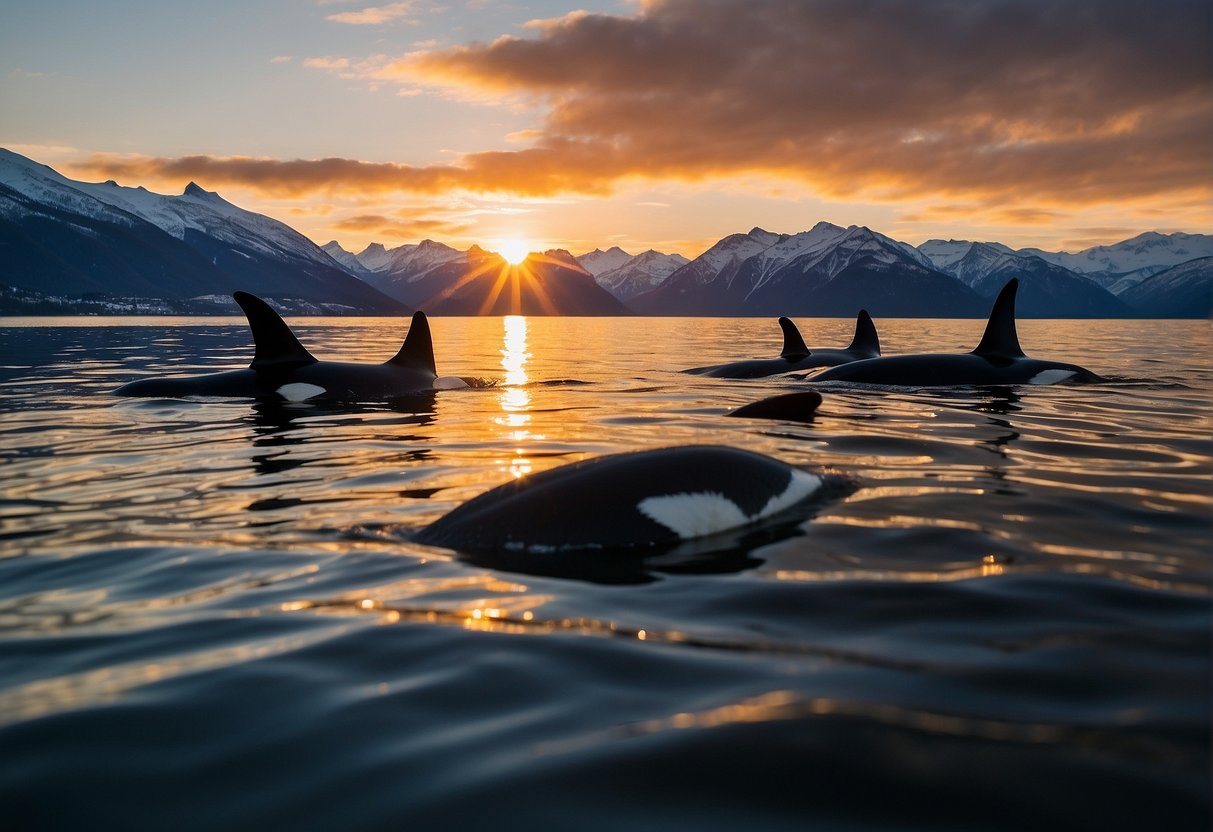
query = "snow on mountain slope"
{"x": 1145, "y": 250}
{"x": 733, "y": 249}
{"x": 825, "y": 251}
{"x": 1183, "y": 291}
{"x": 345, "y": 258}
{"x": 641, "y": 273}
{"x": 598, "y": 261}
{"x": 412, "y": 261}
{"x": 194, "y": 210}
{"x": 375, "y": 258}
{"x": 944, "y": 254}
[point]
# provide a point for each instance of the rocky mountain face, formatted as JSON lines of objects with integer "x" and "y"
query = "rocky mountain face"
{"x": 1149, "y": 253}
{"x": 637, "y": 275}
{"x": 399, "y": 272}
{"x": 1183, "y": 291}
{"x": 598, "y": 261}
{"x": 1045, "y": 289}
{"x": 828, "y": 270}
{"x": 76, "y": 241}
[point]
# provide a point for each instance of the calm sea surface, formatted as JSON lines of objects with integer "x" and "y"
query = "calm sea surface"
{"x": 212, "y": 616}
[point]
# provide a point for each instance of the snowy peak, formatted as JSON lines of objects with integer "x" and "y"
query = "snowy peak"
{"x": 968, "y": 261}
{"x": 1150, "y": 250}
{"x": 734, "y": 249}
{"x": 598, "y": 261}
{"x": 346, "y": 259}
{"x": 195, "y": 210}
{"x": 82, "y": 238}
{"x": 564, "y": 256}
{"x": 406, "y": 260}
{"x": 641, "y": 273}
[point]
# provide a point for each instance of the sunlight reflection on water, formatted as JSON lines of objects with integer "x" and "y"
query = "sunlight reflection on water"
{"x": 515, "y": 398}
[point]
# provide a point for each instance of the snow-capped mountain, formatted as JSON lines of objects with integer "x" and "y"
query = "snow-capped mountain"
{"x": 947, "y": 255}
{"x": 598, "y": 261}
{"x": 1183, "y": 291}
{"x": 347, "y": 259}
{"x": 1151, "y": 252}
{"x": 397, "y": 272}
{"x": 64, "y": 238}
{"x": 642, "y": 273}
{"x": 821, "y": 271}
{"x": 1045, "y": 289}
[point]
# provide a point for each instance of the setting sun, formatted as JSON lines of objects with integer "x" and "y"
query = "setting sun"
{"x": 514, "y": 251}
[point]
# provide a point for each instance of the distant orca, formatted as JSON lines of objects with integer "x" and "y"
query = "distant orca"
{"x": 631, "y": 501}
{"x": 796, "y": 356}
{"x": 997, "y": 360}
{"x": 283, "y": 370}
{"x": 790, "y": 407}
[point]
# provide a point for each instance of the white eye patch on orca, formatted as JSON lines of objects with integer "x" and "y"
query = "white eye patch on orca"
{"x": 708, "y": 512}
{"x": 1051, "y": 376}
{"x": 300, "y": 391}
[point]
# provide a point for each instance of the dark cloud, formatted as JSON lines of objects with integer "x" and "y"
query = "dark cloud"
{"x": 1076, "y": 101}
{"x": 287, "y": 178}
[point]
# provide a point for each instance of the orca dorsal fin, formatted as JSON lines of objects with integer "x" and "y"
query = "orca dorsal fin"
{"x": 1000, "y": 338}
{"x": 793, "y": 344}
{"x": 276, "y": 347}
{"x": 418, "y": 348}
{"x": 866, "y": 339}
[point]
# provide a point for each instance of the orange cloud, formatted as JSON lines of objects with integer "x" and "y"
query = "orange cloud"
{"x": 388, "y": 228}
{"x": 1007, "y": 104}
{"x": 377, "y": 15}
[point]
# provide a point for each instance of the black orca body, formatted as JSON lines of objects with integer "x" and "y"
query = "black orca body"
{"x": 644, "y": 500}
{"x": 997, "y": 360}
{"x": 796, "y": 356}
{"x": 284, "y": 370}
{"x": 789, "y": 407}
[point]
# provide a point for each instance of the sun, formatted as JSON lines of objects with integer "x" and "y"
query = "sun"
{"x": 514, "y": 251}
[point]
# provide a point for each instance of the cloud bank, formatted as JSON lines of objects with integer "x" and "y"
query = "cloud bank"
{"x": 993, "y": 102}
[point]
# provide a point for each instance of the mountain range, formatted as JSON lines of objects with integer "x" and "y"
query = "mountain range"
{"x": 69, "y": 247}
{"x": 103, "y": 242}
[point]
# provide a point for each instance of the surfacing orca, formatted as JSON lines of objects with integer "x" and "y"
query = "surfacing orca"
{"x": 789, "y": 407}
{"x": 639, "y": 501}
{"x": 997, "y": 360}
{"x": 796, "y": 356}
{"x": 284, "y": 370}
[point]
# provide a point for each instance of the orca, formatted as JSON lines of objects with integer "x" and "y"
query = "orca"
{"x": 283, "y": 370}
{"x": 788, "y": 407}
{"x": 796, "y": 356}
{"x": 997, "y": 360}
{"x": 642, "y": 501}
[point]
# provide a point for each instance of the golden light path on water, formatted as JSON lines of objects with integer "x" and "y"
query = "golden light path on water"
{"x": 515, "y": 398}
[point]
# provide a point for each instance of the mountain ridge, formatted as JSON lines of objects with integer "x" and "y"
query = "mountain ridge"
{"x": 62, "y": 241}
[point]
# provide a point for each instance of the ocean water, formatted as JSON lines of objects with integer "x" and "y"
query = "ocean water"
{"x": 212, "y": 616}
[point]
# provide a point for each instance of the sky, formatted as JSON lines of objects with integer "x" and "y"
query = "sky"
{"x": 662, "y": 124}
